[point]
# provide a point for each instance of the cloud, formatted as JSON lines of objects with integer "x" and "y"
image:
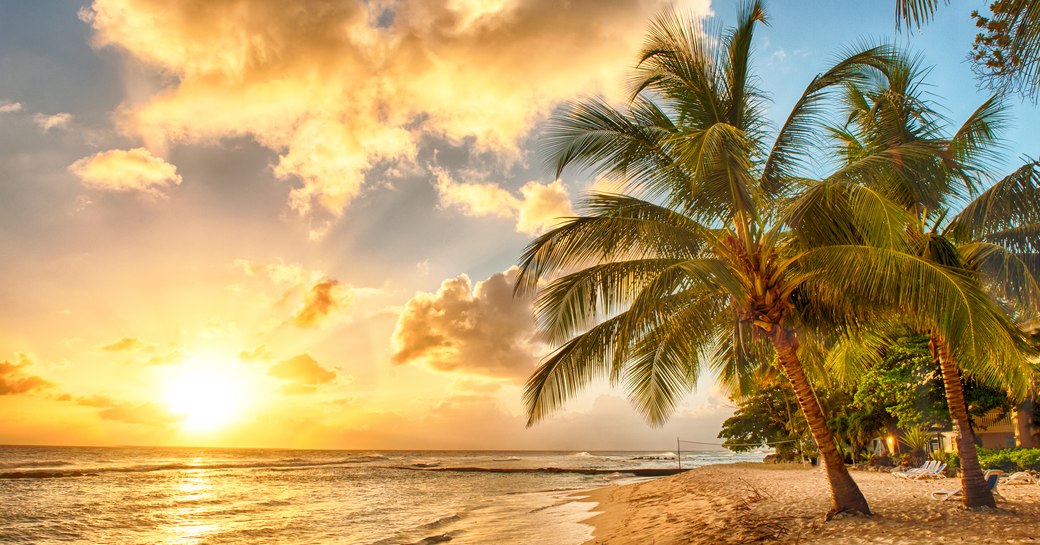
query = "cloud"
{"x": 538, "y": 208}
{"x": 135, "y": 346}
{"x": 338, "y": 87}
{"x": 481, "y": 330}
{"x": 126, "y": 170}
{"x": 303, "y": 374}
{"x": 148, "y": 413}
{"x": 10, "y": 107}
{"x": 324, "y": 297}
{"x": 47, "y": 122}
{"x": 14, "y": 380}
{"x": 259, "y": 353}
{"x": 321, "y": 295}
{"x": 126, "y": 344}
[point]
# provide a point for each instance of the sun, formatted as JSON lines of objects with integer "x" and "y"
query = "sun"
{"x": 207, "y": 394}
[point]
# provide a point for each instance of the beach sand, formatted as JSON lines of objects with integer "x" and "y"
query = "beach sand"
{"x": 761, "y": 503}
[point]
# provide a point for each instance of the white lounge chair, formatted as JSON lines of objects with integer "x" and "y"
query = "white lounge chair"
{"x": 1023, "y": 476}
{"x": 915, "y": 470}
{"x": 936, "y": 472}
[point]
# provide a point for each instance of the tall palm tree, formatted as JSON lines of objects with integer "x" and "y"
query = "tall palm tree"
{"x": 995, "y": 239}
{"x": 699, "y": 265}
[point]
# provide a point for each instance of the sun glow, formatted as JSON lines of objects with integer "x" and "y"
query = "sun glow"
{"x": 207, "y": 393}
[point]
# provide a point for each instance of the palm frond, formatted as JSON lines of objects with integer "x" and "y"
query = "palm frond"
{"x": 617, "y": 227}
{"x": 975, "y": 147}
{"x": 928, "y": 297}
{"x": 1012, "y": 277}
{"x": 572, "y": 303}
{"x": 1009, "y": 203}
{"x": 797, "y": 136}
{"x": 916, "y": 12}
{"x": 831, "y": 212}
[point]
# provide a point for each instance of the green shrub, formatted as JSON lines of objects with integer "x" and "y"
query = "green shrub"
{"x": 1010, "y": 459}
{"x": 1027, "y": 458}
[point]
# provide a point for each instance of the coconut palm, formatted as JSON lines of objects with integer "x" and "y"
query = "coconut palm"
{"x": 698, "y": 265}
{"x": 995, "y": 239}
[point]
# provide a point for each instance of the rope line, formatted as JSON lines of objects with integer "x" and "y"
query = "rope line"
{"x": 738, "y": 444}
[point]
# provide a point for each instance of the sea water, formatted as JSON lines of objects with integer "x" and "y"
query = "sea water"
{"x": 188, "y": 496}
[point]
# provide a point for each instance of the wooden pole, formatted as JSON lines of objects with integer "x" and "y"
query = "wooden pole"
{"x": 678, "y": 452}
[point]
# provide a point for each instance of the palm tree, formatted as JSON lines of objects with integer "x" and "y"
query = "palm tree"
{"x": 700, "y": 265}
{"x": 994, "y": 240}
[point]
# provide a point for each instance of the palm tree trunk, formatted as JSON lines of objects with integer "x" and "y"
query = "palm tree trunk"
{"x": 845, "y": 494}
{"x": 973, "y": 485}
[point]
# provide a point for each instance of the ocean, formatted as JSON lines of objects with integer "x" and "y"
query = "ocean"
{"x": 188, "y": 496}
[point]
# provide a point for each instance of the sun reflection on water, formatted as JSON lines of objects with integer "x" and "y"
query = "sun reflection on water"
{"x": 191, "y": 500}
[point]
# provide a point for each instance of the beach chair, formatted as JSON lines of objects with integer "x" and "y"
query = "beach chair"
{"x": 936, "y": 472}
{"x": 915, "y": 470}
{"x": 992, "y": 477}
{"x": 1023, "y": 476}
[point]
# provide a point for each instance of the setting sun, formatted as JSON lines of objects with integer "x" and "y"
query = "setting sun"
{"x": 207, "y": 395}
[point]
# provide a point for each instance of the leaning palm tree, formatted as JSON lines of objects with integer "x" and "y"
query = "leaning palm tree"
{"x": 994, "y": 240}
{"x": 699, "y": 265}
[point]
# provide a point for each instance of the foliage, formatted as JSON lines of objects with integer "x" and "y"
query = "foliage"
{"x": 905, "y": 385}
{"x": 769, "y": 416}
{"x": 1006, "y": 51}
{"x": 1010, "y": 459}
{"x": 951, "y": 459}
{"x": 903, "y": 390}
{"x": 916, "y": 439}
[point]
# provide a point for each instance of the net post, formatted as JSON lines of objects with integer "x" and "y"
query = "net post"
{"x": 678, "y": 453}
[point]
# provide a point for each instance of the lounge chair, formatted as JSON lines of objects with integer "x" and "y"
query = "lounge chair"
{"x": 928, "y": 466}
{"x": 936, "y": 472}
{"x": 1023, "y": 476}
{"x": 992, "y": 477}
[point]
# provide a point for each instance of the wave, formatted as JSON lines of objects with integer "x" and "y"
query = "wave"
{"x": 432, "y": 540}
{"x": 441, "y": 522}
{"x": 424, "y": 529}
{"x": 639, "y": 472}
{"x": 176, "y": 466}
{"x": 508, "y": 459}
{"x": 658, "y": 456}
{"x": 45, "y": 463}
{"x": 584, "y": 454}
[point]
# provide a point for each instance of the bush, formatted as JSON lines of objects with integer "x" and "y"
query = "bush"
{"x": 951, "y": 459}
{"x": 1010, "y": 459}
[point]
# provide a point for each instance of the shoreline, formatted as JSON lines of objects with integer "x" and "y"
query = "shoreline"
{"x": 767, "y": 503}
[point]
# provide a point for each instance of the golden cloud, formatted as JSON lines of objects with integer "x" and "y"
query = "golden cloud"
{"x": 538, "y": 208}
{"x": 321, "y": 295}
{"x": 151, "y": 414}
{"x": 125, "y": 344}
{"x": 336, "y": 87}
{"x": 15, "y": 380}
{"x": 481, "y": 330}
{"x": 126, "y": 170}
{"x": 324, "y": 297}
{"x": 302, "y": 373}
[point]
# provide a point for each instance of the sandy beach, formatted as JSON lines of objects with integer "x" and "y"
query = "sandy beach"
{"x": 759, "y": 503}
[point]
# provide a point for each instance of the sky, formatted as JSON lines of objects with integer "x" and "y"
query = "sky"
{"x": 295, "y": 224}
